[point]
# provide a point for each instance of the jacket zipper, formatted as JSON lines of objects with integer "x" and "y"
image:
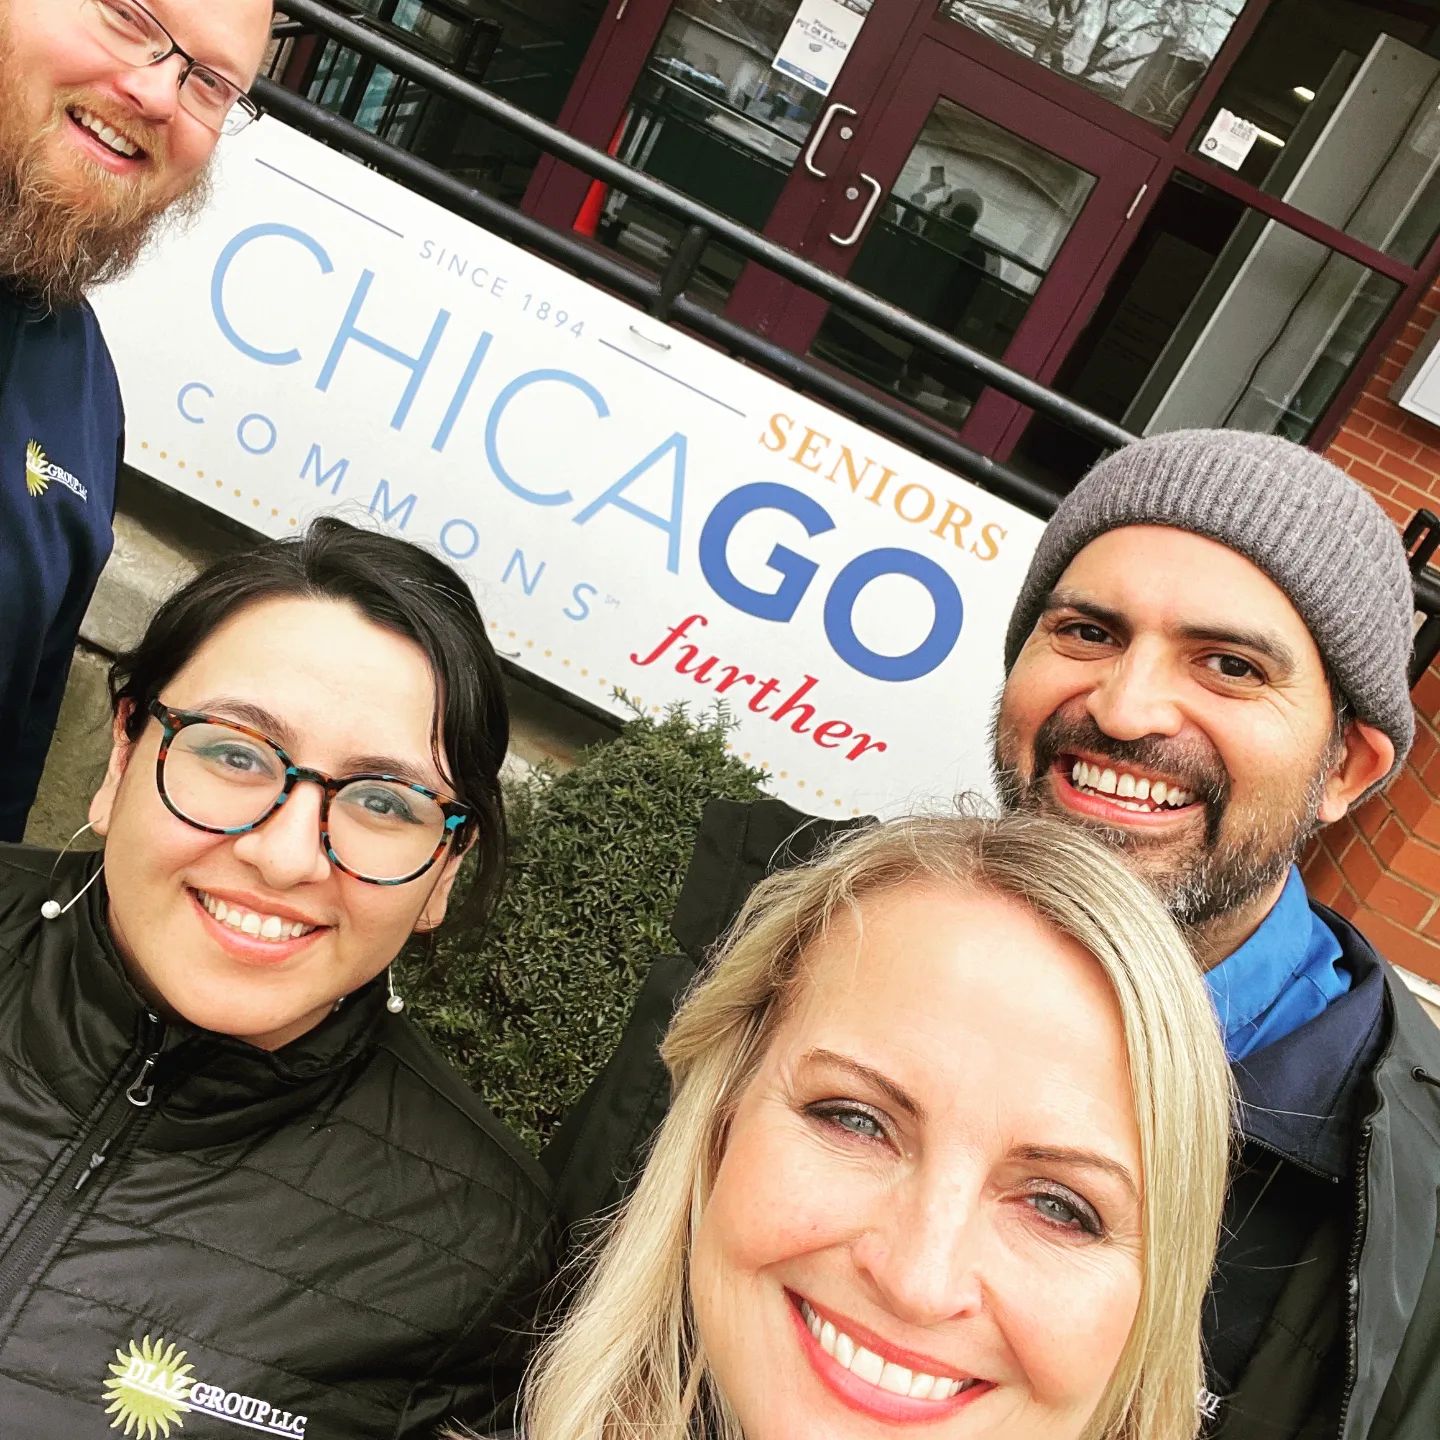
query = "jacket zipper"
{"x": 1352, "y": 1279}
{"x": 123, "y": 1112}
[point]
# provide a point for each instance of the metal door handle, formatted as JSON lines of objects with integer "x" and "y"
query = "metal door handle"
{"x": 876, "y": 191}
{"x": 819, "y": 135}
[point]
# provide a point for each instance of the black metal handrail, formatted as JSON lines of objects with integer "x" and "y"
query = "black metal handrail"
{"x": 1422, "y": 541}
{"x": 660, "y": 296}
{"x": 663, "y": 296}
{"x": 738, "y": 237}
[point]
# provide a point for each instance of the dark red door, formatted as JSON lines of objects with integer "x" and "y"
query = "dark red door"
{"x": 927, "y": 176}
{"x": 973, "y": 203}
{"x": 688, "y": 90}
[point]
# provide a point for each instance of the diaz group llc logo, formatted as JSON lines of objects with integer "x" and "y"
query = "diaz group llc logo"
{"x": 152, "y": 1388}
{"x": 39, "y": 472}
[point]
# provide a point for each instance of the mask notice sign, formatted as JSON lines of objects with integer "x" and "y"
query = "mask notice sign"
{"x": 1229, "y": 139}
{"x": 818, "y": 40}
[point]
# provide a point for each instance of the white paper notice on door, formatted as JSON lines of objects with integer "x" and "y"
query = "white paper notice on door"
{"x": 1229, "y": 139}
{"x": 819, "y": 39}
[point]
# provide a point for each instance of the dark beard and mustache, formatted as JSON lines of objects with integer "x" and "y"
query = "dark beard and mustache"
{"x": 1242, "y": 852}
{"x": 60, "y": 234}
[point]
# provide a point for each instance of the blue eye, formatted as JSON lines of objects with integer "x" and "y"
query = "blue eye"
{"x": 124, "y": 18}
{"x": 1066, "y": 1212}
{"x": 850, "y": 1119}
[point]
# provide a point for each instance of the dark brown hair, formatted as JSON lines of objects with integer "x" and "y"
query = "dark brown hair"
{"x": 399, "y": 586}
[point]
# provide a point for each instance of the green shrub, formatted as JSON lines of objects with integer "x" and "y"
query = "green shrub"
{"x": 530, "y": 1010}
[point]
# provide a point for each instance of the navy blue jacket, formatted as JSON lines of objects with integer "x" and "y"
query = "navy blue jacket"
{"x": 61, "y": 436}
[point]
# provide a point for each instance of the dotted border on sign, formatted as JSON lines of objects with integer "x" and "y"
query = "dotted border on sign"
{"x": 255, "y": 501}
{"x": 601, "y": 682}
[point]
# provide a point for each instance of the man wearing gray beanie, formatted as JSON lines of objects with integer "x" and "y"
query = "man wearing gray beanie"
{"x": 1206, "y": 663}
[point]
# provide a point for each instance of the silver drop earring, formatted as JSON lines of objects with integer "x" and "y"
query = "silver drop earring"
{"x": 396, "y": 1003}
{"x": 53, "y": 909}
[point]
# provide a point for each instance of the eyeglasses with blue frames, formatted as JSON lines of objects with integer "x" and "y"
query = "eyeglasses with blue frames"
{"x": 227, "y": 779}
{"x": 128, "y": 31}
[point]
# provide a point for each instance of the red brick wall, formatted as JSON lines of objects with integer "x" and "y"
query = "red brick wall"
{"x": 1380, "y": 866}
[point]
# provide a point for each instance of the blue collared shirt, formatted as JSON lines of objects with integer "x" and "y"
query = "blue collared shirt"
{"x": 1284, "y": 975}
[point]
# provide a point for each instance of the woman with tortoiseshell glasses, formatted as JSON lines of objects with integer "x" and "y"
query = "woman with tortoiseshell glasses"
{"x": 239, "y": 1190}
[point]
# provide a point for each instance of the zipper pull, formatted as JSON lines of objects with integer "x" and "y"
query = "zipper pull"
{"x": 97, "y": 1159}
{"x": 142, "y": 1089}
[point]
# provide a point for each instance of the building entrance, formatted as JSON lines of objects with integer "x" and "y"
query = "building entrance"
{"x": 1176, "y": 212}
{"x": 899, "y": 159}
{"x": 976, "y": 206}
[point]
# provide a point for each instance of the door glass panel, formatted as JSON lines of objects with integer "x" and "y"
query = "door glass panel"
{"x": 1144, "y": 55}
{"x": 1338, "y": 111}
{"x": 713, "y": 117}
{"x": 963, "y": 242}
{"x": 526, "y": 51}
{"x": 1219, "y": 316}
{"x": 376, "y": 98}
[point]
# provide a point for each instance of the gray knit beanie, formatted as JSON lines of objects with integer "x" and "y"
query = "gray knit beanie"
{"x": 1316, "y": 533}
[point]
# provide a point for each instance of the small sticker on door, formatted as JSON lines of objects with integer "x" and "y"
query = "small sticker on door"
{"x": 1229, "y": 139}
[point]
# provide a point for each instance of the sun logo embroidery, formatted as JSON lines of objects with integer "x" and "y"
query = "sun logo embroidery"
{"x": 37, "y": 469}
{"x": 147, "y": 1389}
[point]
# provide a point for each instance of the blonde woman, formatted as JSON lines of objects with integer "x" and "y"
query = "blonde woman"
{"x": 947, "y": 1151}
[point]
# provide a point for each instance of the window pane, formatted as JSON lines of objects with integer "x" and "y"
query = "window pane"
{"x": 1336, "y": 105}
{"x": 1219, "y": 316}
{"x": 1270, "y": 337}
{"x": 419, "y": 19}
{"x": 527, "y": 53}
{"x": 713, "y": 116}
{"x": 1144, "y": 55}
{"x": 969, "y": 231}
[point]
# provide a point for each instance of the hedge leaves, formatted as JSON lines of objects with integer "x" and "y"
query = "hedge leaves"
{"x": 530, "y": 1010}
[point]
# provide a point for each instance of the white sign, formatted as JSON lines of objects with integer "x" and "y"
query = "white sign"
{"x": 1418, "y": 387}
{"x": 1229, "y": 139}
{"x": 634, "y": 510}
{"x": 819, "y": 39}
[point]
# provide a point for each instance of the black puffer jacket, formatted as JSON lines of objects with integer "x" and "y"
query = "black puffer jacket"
{"x": 342, "y": 1241}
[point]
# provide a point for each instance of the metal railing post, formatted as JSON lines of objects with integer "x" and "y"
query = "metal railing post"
{"x": 1422, "y": 540}
{"x": 681, "y": 269}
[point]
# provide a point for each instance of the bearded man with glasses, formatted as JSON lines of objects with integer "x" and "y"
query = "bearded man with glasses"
{"x": 109, "y": 113}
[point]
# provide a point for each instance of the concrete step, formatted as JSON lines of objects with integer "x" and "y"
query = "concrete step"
{"x": 161, "y": 541}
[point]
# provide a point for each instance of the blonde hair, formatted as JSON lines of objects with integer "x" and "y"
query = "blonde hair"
{"x": 627, "y": 1363}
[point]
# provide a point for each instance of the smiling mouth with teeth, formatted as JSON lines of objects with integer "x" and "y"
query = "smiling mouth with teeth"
{"x": 1128, "y": 790}
{"x": 884, "y": 1375}
{"x": 249, "y": 922}
{"x": 107, "y": 135}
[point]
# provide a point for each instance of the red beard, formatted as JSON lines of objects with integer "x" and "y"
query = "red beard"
{"x": 66, "y": 228}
